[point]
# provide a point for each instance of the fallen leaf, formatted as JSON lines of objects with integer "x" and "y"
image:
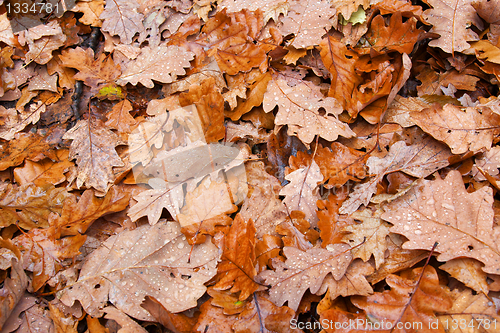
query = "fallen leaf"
{"x": 261, "y": 315}
{"x": 308, "y": 21}
{"x": 302, "y": 191}
{"x": 461, "y": 222}
{"x": 469, "y": 272}
{"x": 299, "y": 108}
{"x": 119, "y": 118}
{"x": 30, "y": 206}
{"x": 457, "y": 15}
{"x": 369, "y": 237}
{"x": 411, "y": 299}
{"x": 150, "y": 260}
{"x": 237, "y": 268}
{"x": 93, "y": 147}
{"x": 304, "y": 270}
{"x": 419, "y": 160}
{"x": 469, "y": 130}
{"x": 122, "y": 18}
{"x": 161, "y": 63}
{"x": 13, "y": 287}
{"x": 44, "y": 172}
{"x": 340, "y": 62}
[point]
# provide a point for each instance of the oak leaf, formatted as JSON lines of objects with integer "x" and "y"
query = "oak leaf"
{"x": 208, "y": 200}
{"x": 420, "y": 159}
{"x": 472, "y": 309}
{"x": 270, "y": 9}
{"x": 175, "y": 322}
{"x": 469, "y": 272}
{"x": 29, "y": 205}
{"x": 442, "y": 211}
{"x": 296, "y": 232}
{"x": 14, "y": 121}
{"x": 330, "y": 221}
{"x": 14, "y": 286}
{"x": 265, "y": 209}
{"x": 237, "y": 267}
{"x": 119, "y": 117}
{"x": 338, "y": 164}
{"x": 213, "y": 320}
{"x": 261, "y": 315}
{"x": 398, "y": 36}
{"x": 161, "y": 63}
{"x": 122, "y": 18}
{"x": 299, "y": 107}
{"x": 93, "y": 72}
{"x": 210, "y": 106}
{"x": 304, "y": 270}
{"x": 43, "y": 253}
{"x": 414, "y": 297}
{"x": 42, "y": 41}
{"x": 76, "y": 217}
{"x": 488, "y": 162}
{"x": 471, "y": 129}
{"x": 30, "y": 146}
{"x": 150, "y": 260}
{"x": 257, "y": 86}
{"x": 44, "y": 172}
{"x": 340, "y": 62}
{"x": 307, "y": 20}
{"x": 302, "y": 191}
{"x": 352, "y": 283}
{"x": 369, "y": 237}
{"x": 93, "y": 147}
{"x": 451, "y": 19}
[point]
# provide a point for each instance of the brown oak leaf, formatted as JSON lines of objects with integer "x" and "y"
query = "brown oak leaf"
{"x": 93, "y": 147}
{"x": 237, "y": 267}
{"x": 442, "y": 211}
{"x": 305, "y": 270}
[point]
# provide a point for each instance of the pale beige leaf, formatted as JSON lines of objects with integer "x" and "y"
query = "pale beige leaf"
{"x": 471, "y": 129}
{"x": 489, "y": 162}
{"x": 399, "y": 110}
{"x": 475, "y": 310}
{"x": 161, "y": 63}
{"x": 128, "y": 325}
{"x": 150, "y": 203}
{"x": 451, "y": 19}
{"x": 443, "y": 211}
{"x": 369, "y": 237}
{"x": 14, "y": 122}
{"x": 42, "y": 41}
{"x": 265, "y": 209}
{"x": 352, "y": 283}
{"x": 93, "y": 147}
{"x": 122, "y": 18}
{"x": 420, "y": 159}
{"x": 150, "y": 260}
{"x": 303, "y": 271}
{"x": 469, "y": 272}
{"x": 308, "y": 20}
{"x": 208, "y": 200}
{"x": 91, "y": 11}
{"x": 302, "y": 191}
{"x": 299, "y": 108}
{"x": 270, "y": 9}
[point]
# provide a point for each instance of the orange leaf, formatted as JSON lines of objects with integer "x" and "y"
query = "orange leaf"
{"x": 411, "y": 299}
{"x": 237, "y": 268}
